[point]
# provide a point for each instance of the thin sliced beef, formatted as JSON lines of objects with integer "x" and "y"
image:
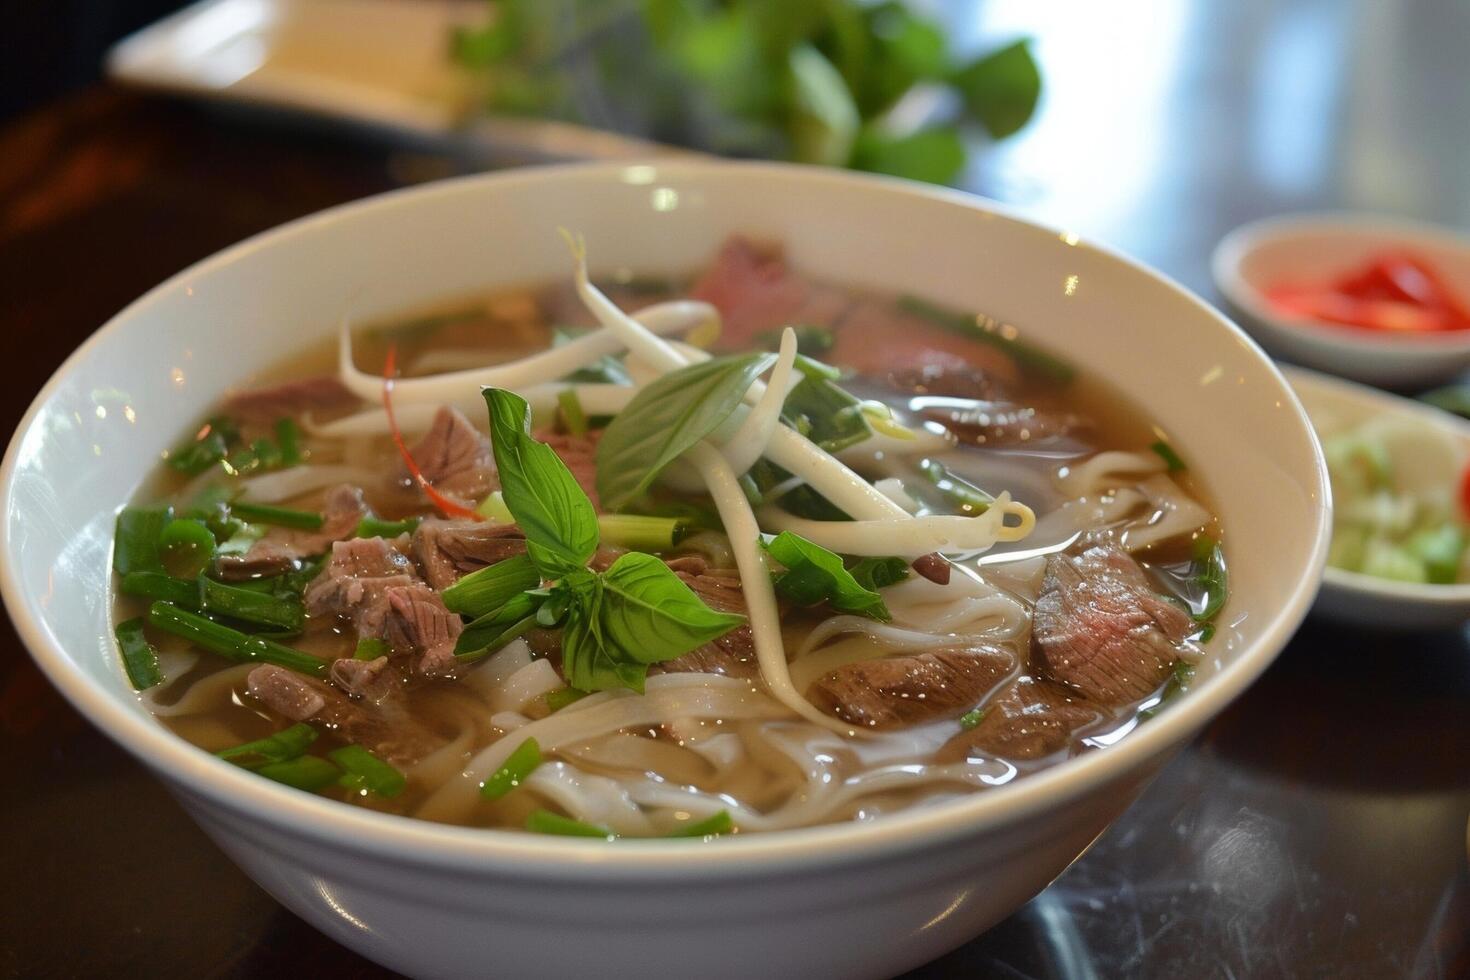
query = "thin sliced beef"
{"x": 371, "y": 680}
{"x": 580, "y": 455}
{"x": 893, "y": 692}
{"x": 455, "y": 457}
{"x": 418, "y": 623}
{"x": 265, "y": 405}
{"x": 447, "y": 550}
{"x": 756, "y": 291}
{"x": 1029, "y": 720}
{"x": 388, "y": 733}
{"x": 876, "y": 338}
{"x": 1101, "y": 629}
{"x": 732, "y": 654}
{"x": 281, "y": 547}
{"x": 353, "y": 583}
{"x": 950, "y": 381}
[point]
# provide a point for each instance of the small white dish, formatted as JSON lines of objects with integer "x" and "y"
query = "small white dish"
{"x": 1352, "y": 597}
{"x": 1310, "y": 247}
{"x": 382, "y": 64}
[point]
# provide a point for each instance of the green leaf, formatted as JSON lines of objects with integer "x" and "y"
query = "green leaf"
{"x": 815, "y": 575}
{"x": 1001, "y": 88}
{"x": 824, "y": 119}
{"x": 488, "y": 589}
{"x": 287, "y": 744}
{"x": 135, "y": 544}
{"x": 666, "y": 419}
{"x": 635, "y": 614}
{"x": 879, "y": 573}
{"x": 555, "y": 515}
{"x": 1209, "y": 577}
{"x": 140, "y": 659}
{"x": 935, "y": 155}
{"x": 495, "y": 629}
{"x": 826, "y": 414}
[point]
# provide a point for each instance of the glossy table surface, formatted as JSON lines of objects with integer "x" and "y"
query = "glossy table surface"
{"x": 1317, "y": 828}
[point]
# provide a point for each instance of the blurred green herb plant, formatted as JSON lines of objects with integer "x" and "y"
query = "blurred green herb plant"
{"x": 815, "y": 81}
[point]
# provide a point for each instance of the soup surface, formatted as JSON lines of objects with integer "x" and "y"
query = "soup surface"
{"x": 723, "y": 554}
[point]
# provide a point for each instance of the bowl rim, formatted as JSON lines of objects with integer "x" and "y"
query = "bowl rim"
{"x": 470, "y": 851}
{"x": 1231, "y": 252}
{"x": 1421, "y": 594}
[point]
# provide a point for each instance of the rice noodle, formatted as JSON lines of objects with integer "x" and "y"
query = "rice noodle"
{"x": 509, "y": 721}
{"x": 593, "y": 799}
{"x": 1106, "y": 471}
{"x": 544, "y": 366}
{"x": 203, "y": 696}
{"x": 910, "y": 537}
{"x": 665, "y": 696}
{"x": 1172, "y": 513}
{"x": 530, "y": 682}
{"x": 282, "y": 485}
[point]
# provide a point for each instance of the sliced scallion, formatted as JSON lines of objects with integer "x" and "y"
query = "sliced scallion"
{"x": 307, "y": 772}
{"x": 546, "y": 822}
{"x": 569, "y": 408}
{"x": 139, "y": 658}
{"x": 157, "y": 585}
{"x": 231, "y": 643}
{"x": 375, "y": 527}
{"x": 711, "y": 826}
{"x": 135, "y": 539}
{"x": 494, "y": 508}
{"x": 287, "y": 744}
{"x": 361, "y": 770}
{"x": 371, "y": 648}
{"x": 1168, "y": 455}
{"x": 639, "y": 533}
{"x": 247, "y": 605}
{"x": 970, "y": 719}
{"x": 303, "y": 520}
{"x": 556, "y": 700}
{"x": 516, "y": 767}
{"x": 288, "y": 437}
{"x": 488, "y": 589}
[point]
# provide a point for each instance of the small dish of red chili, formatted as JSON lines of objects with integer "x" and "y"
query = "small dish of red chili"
{"x": 1374, "y": 299}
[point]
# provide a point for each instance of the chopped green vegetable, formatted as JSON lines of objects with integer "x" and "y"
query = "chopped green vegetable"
{"x": 556, "y": 700}
{"x": 139, "y": 658}
{"x": 1382, "y": 559}
{"x": 666, "y": 419}
{"x": 516, "y": 767}
{"x": 826, "y": 414}
{"x": 569, "y": 410}
{"x": 207, "y": 447}
{"x": 247, "y": 605}
{"x": 1168, "y": 455}
{"x": 546, "y": 822}
{"x": 1206, "y": 633}
{"x": 493, "y": 507}
{"x": 307, "y": 772}
{"x": 288, "y": 437}
{"x": 971, "y": 718}
{"x": 375, "y": 527}
{"x": 280, "y": 516}
{"x": 935, "y": 154}
{"x": 494, "y": 630}
{"x": 1451, "y": 398}
{"x": 1209, "y": 577}
{"x": 487, "y": 589}
{"x": 1440, "y": 550}
{"x": 878, "y": 573}
{"x": 283, "y": 746}
{"x": 983, "y": 329}
{"x": 711, "y": 826}
{"x": 135, "y": 546}
{"x": 364, "y": 772}
{"x": 636, "y": 614}
{"x": 186, "y": 547}
{"x": 557, "y": 518}
{"x": 231, "y": 643}
{"x": 640, "y": 533}
{"x": 1178, "y": 682}
{"x": 814, "y": 575}
{"x": 157, "y": 585}
{"x": 970, "y": 499}
{"x": 371, "y": 648}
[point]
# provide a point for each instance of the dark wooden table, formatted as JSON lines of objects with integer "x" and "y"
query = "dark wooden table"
{"x": 1318, "y": 828}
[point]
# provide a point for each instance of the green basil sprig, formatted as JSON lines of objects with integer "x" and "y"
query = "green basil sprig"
{"x": 814, "y": 575}
{"x": 668, "y": 418}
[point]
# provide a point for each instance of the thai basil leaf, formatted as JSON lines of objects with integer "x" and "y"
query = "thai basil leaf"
{"x": 936, "y": 154}
{"x": 825, "y": 414}
{"x": 879, "y": 573}
{"x": 667, "y": 419}
{"x": 540, "y": 492}
{"x": 635, "y": 614}
{"x": 1001, "y": 88}
{"x": 815, "y": 575}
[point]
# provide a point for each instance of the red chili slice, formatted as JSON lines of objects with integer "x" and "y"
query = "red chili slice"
{"x": 446, "y": 506}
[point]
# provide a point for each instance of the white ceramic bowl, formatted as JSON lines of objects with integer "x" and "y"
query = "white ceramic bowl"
{"x": 1314, "y": 247}
{"x": 853, "y": 900}
{"x": 1351, "y": 597}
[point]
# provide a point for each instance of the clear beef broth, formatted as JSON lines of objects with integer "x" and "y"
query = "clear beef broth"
{"x": 755, "y": 761}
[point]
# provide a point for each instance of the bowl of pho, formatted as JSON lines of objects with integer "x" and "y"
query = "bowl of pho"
{"x": 752, "y": 567}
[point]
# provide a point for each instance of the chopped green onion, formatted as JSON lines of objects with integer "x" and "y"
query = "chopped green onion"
{"x": 280, "y": 516}
{"x": 970, "y": 719}
{"x": 371, "y": 648}
{"x": 879, "y": 573}
{"x": 135, "y": 540}
{"x": 487, "y": 589}
{"x": 157, "y": 585}
{"x": 982, "y": 328}
{"x": 264, "y": 608}
{"x": 494, "y": 508}
{"x": 186, "y": 547}
{"x": 573, "y": 419}
{"x": 515, "y": 630}
{"x": 1178, "y": 683}
{"x": 307, "y": 772}
{"x": 208, "y": 446}
{"x": 1439, "y": 548}
{"x": 639, "y": 533}
{"x": 969, "y": 498}
{"x": 288, "y": 437}
{"x": 287, "y": 744}
{"x": 1209, "y": 576}
{"x": 361, "y": 770}
{"x": 712, "y": 826}
{"x": 231, "y": 643}
{"x": 516, "y": 767}
{"x": 546, "y": 822}
{"x": 374, "y": 527}
{"x": 139, "y": 658}
{"x": 1168, "y": 455}
{"x": 815, "y": 369}
{"x": 556, "y": 700}
{"x": 880, "y": 417}
{"x": 1206, "y": 633}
